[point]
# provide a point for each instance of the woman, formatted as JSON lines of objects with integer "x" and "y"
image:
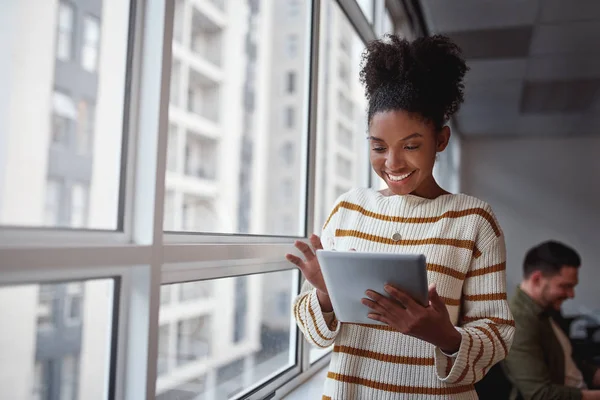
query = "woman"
{"x": 441, "y": 350}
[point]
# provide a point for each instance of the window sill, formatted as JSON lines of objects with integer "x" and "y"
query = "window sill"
{"x": 311, "y": 389}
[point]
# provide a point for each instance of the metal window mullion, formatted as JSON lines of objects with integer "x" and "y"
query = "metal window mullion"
{"x": 151, "y": 67}
{"x": 357, "y": 19}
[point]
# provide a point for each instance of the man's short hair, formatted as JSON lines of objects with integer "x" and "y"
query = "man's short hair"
{"x": 549, "y": 257}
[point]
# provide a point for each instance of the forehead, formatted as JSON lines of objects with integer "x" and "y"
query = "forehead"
{"x": 398, "y": 122}
{"x": 568, "y": 274}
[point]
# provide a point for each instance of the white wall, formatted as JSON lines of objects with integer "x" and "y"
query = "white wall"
{"x": 542, "y": 189}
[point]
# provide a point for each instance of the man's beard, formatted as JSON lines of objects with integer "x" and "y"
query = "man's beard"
{"x": 549, "y": 301}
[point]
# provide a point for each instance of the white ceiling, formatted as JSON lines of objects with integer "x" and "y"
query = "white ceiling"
{"x": 535, "y": 64}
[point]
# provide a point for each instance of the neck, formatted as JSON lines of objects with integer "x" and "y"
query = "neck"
{"x": 527, "y": 288}
{"x": 429, "y": 189}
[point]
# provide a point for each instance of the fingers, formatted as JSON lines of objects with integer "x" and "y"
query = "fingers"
{"x": 306, "y": 250}
{"x": 383, "y": 301}
{"x": 434, "y": 298}
{"x": 400, "y": 296}
{"x": 316, "y": 242}
{"x": 378, "y": 317}
{"x": 295, "y": 260}
{"x": 373, "y": 305}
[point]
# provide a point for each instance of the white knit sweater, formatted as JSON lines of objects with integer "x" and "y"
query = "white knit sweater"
{"x": 465, "y": 252}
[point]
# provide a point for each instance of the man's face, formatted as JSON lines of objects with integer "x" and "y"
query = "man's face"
{"x": 554, "y": 290}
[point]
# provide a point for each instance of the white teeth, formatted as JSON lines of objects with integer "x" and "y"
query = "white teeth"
{"x": 399, "y": 178}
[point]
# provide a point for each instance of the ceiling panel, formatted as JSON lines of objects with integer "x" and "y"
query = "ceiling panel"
{"x": 502, "y": 70}
{"x": 569, "y": 10}
{"x": 577, "y": 37}
{"x": 510, "y": 42}
{"x": 460, "y": 15}
{"x": 557, "y": 67}
{"x": 559, "y": 96}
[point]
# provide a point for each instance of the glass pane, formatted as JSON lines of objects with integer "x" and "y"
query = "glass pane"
{"x": 367, "y": 9}
{"x": 56, "y": 344}
{"x": 237, "y": 97}
{"x": 61, "y": 117}
{"x": 388, "y": 23}
{"x": 316, "y": 353}
{"x": 222, "y": 337}
{"x": 342, "y": 151}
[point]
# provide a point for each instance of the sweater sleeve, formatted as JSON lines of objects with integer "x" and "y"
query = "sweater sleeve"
{"x": 320, "y": 329}
{"x": 487, "y": 326}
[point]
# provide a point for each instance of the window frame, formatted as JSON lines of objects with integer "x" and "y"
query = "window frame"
{"x": 139, "y": 255}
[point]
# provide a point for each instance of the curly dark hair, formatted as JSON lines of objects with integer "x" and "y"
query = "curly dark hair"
{"x": 424, "y": 77}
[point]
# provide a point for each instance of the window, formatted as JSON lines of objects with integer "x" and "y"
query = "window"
{"x": 55, "y": 107}
{"x": 193, "y": 339}
{"x": 200, "y": 157}
{"x": 286, "y": 191}
{"x": 241, "y": 334}
{"x": 172, "y": 155}
{"x": 291, "y": 82}
{"x": 56, "y": 359}
{"x": 74, "y": 303}
{"x": 46, "y": 307}
{"x": 79, "y": 208}
{"x": 54, "y": 198}
{"x": 367, "y": 9}
{"x": 344, "y": 136}
{"x": 292, "y": 46}
{"x": 294, "y": 8}
{"x": 287, "y": 154}
{"x": 343, "y": 167}
{"x": 63, "y": 117}
{"x": 388, "y": 22}
{"x": 342, "y": 157}
{"x": 68, "y": 384}
{"x": 164, "y": 339}
{"x": 85, "y": 127}
{"x": 194, "y": 291}
{"x": 64, "y": 40}
{"x": 289, "y": 117}
{"x": 91, "y": 43}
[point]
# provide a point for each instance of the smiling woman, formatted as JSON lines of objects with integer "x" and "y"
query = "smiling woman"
{"x": 441, "y": 350}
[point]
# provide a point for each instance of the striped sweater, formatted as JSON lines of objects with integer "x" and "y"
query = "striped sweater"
{"x": 465, "y": 253}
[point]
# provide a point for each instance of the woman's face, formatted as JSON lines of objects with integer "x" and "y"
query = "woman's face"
{"x": 403, "y": 149}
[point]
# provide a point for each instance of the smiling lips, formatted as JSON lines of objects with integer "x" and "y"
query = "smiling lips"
{"x": 398, "y": 178}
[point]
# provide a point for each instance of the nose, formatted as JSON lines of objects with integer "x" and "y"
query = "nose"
{"x": 394, "y": 161}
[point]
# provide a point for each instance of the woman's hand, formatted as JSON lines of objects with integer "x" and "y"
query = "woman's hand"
{"x": 311, "y": 269}
{"x": 431, "y": 324}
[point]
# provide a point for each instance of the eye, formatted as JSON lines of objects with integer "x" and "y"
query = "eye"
{"x": 378, "y": 149}
{"x": 409, "y": 147}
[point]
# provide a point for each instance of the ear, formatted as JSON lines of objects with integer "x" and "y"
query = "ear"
{"x": 443, "y": 137}
{"x": 536, "y": 277}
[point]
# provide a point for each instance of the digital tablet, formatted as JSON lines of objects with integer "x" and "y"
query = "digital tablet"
{"x": 349, "y": 274}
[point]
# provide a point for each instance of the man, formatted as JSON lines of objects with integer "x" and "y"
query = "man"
{"x": 540, "y": 362}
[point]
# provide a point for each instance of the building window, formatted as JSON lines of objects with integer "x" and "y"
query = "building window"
{"x": 289, "y": 117}
{"x": 64, "y": 42}
{"x": 172, "y": 148}
{"x": 294, "y": 8}
{"x": 163, "y": 348}
{"x": 344, "y": 74}
{"x": 74, "y": 303}
{"x": 85, "y": 127}
{"x": 46, "y": 307}
{"x": 241, "y": 309}
{"x": 287, "y": 189}
{"x": 290, "y": 82}
{"x": 193, "y": 339}
{"x": 344, "y": 167}
{"x": 40, "y": 381}
{"x": 191, "y": 291}
{"x": 344, "y": 137}
{"x": 64, "y": 114}
{"x": 292, "y": 46}
{"x": 200, "y": 157}
{"x": 54, "y": 190}
{"x": 287, "y": 154}
{"x": 79, "y": 209}
{"x": 91, "y": 43}
{"x": 68, "y": 378}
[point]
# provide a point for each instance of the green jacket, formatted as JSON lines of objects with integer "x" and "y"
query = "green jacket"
{"x": 536, "y": 361}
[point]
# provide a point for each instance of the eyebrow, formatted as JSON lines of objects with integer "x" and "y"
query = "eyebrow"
{"x": 414, "y": 135}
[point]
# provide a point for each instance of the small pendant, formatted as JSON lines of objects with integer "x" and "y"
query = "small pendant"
{"x": 396, "y": 237}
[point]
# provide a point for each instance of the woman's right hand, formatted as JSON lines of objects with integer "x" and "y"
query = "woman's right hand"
{"x": 310, "y": 266}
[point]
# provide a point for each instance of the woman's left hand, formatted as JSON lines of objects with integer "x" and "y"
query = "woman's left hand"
{"x": 431, "y": 324}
